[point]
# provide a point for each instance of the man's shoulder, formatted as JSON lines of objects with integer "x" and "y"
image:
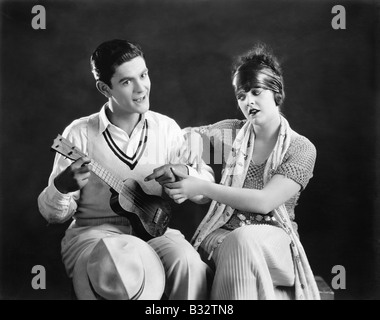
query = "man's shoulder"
{"x": 81, "y": 123}
{"x": 160, "y": 119}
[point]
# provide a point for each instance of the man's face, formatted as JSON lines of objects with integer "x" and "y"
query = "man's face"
{"x": 131, "y": 87}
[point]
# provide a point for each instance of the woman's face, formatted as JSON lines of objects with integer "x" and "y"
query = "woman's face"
{"x": 258, "y": 104}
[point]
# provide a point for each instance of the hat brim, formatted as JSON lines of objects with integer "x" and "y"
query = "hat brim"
{"x": 154, "y": 271}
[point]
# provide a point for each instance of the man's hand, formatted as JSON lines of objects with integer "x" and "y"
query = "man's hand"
{"x": 74, "y": 177}
{"x": 185, "y": 188}
{"x": 165, "y": 175}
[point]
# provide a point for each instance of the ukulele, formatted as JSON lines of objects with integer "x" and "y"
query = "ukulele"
{"x": 149, "y": 215}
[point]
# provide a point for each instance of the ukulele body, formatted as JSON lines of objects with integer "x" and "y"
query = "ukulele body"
{"x": 149, "y": 214}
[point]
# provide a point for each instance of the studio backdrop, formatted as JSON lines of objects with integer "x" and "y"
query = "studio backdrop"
{"x": 331, "y": 68}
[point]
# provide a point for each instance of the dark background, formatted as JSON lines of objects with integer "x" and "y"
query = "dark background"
{"x": 332, "y": 97}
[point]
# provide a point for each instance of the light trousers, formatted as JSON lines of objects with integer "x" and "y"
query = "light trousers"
{"x": 251, "y": 262}
{"x": 187, "y": 276}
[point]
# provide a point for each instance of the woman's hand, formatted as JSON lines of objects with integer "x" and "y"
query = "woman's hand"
{"x": 187, "y": 187}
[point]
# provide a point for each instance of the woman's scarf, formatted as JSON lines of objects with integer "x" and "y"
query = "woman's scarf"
{"x": 234, "y": 175}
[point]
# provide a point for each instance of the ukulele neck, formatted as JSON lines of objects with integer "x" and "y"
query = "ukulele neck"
{"x": 107, "y": 177}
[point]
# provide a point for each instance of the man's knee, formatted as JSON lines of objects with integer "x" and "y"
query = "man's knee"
{"x": 186, "y": 257}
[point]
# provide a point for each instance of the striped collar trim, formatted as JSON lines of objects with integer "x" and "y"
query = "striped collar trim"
{"x": 133, "y": 160}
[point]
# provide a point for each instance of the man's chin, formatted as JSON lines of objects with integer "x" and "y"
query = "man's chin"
{"x": 145, "y": 109}
{"x": 142, "y": 109}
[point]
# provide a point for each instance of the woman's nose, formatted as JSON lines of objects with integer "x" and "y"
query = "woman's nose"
{"x": 250, "y": 100}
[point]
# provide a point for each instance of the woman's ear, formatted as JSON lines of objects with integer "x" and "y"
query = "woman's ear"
{"x": 103, "y": 89}
{"x": 278, "y": 99}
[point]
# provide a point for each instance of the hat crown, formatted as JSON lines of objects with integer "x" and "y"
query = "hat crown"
{"x": 115, "y": 270}
{"x": 118, "y": 266}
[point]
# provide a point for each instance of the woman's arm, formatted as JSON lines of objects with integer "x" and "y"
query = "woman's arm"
{"x": 276, "y": 192}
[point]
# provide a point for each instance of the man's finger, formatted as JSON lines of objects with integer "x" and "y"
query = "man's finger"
{"x": 83, "y": 169}
{"x": 160, "y": 174}
{"x": 154, "y": 175}
{"x": 172, "y": 185}
{"x": 165, "y": 179}
{"x": 81, "y": 162}
{"x": 150, "y": 177}
{"x": 178, "y": 174}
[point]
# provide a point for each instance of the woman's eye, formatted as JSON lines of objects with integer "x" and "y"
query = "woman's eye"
{"x": 256, "y": 92}
{"x": 240, "y": 96}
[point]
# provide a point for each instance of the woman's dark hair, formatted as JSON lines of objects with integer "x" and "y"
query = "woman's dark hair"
{"x": 259, "y": 68}
{"x": 109, "y": 55}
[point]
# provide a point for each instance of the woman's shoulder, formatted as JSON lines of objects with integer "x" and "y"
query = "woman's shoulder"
{"x": 301, "y": 146}
{"x": 299, "y": 160}
{"x": 226, "y": 124}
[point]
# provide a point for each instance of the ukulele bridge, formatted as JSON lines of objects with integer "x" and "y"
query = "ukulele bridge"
{"x": 157, "y": 215}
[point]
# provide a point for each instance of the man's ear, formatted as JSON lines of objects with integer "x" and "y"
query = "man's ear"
{"x": 103, "y": 88}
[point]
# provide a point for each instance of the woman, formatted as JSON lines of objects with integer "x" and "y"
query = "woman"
{"x": 249, "y": 232}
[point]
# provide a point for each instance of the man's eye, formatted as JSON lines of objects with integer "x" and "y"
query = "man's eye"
{"x": 126, "y": 82}
{"x": 144, "y": 75}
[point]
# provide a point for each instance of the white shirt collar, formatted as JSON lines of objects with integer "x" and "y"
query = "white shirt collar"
{"x": 104, "y": 122}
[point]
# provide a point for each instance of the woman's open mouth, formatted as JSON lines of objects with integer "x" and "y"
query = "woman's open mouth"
{"x": 253, "y": 112}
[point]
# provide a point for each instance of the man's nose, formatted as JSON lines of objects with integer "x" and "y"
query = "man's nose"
{"x": 139, "y": 86}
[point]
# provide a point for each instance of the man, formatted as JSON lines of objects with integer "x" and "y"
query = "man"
{"x": 129, "y": 141}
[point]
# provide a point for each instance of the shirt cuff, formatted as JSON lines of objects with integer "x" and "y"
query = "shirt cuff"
{"x": 57, "y": 197}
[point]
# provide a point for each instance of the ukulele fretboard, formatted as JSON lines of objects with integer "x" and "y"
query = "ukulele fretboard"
{"x": 107, "y": 177}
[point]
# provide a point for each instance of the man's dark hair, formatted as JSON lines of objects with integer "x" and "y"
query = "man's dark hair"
{"x": 111, "y": 54}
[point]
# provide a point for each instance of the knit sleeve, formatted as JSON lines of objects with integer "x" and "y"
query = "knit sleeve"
{"x": 215, "y": 139}
{"x": 299, "y": 161}
{"x": 222, "y": 132}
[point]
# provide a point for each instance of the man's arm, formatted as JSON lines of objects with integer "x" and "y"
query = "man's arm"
{"x": 57, "y": 202}
{"x": 55, "y": 206}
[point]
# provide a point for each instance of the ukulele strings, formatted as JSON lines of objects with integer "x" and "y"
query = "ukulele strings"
{"x": 122, "y": 188}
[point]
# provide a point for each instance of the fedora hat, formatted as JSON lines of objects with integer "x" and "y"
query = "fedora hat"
{"x": 121, "y": 267}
